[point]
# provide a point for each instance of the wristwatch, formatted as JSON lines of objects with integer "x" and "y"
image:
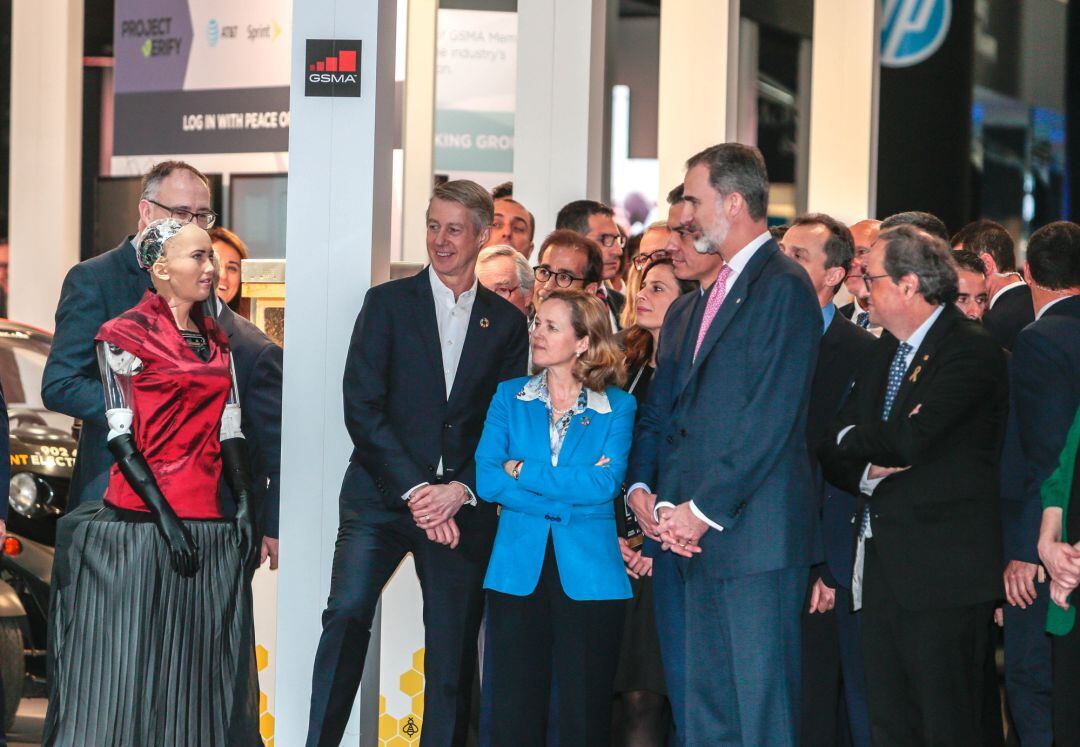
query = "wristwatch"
{"x": 517, "y": 469}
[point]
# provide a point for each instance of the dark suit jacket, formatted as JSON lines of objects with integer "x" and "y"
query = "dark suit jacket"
{"x": 616, "y": 302}
{"x": 1045, "y": 394}
{"x": 847, "y": 309}
{"x": 94, "y": 292}
{"x": 1011, "y": 313}
{"x": 728, "y": 430}
{"x": 844, "y": 349}
{"x": 936, "y": 526}
{"x": 258, "y": 364}
{"x": 396, "y": 407}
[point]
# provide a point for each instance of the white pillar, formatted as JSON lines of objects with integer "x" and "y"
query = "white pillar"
{"x": 559, "y": 122}
{"x": 418, "y": 125}
{"x": 46, "y": 154}
{"x": 699, "y": 52}
{"x": 843, "y": 109}
{"x": 337, "y": 246}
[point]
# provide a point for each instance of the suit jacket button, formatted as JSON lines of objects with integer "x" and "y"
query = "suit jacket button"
{"x": 447, "y": 426}
{"x": 431, "y": 468}
{"x": 683, "y": 433}
{"x": 670, "y": 440}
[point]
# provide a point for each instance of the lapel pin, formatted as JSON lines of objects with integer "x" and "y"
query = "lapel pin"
{"x": 915, "y": 374}
{"x": 585, "y": 420}
{"x": 484, "y": 323}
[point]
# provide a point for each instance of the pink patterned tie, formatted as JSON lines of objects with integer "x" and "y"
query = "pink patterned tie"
{"x": 716, "y": 297}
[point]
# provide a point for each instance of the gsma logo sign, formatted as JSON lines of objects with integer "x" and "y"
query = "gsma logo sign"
{"x": 332, "y": 67}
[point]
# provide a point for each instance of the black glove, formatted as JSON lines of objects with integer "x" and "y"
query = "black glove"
{"x": 183, "y": 552}
{"x": 234, "y": 465}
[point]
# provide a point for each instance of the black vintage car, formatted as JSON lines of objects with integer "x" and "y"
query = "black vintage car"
{"x": 42, "y": 447}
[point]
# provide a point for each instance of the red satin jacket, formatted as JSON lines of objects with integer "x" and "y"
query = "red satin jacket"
{"x": 177, "y": 401}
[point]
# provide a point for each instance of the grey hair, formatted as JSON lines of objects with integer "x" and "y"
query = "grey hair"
{"x": 911, "y": 251}
{"x": 524, "y": 271}
{"x": 734, "y": 167}
{"x": 470, "y": 195}
{"x": 150, "y": 243}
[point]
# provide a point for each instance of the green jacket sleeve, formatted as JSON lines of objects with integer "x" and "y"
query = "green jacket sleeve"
{"x": 1055, "y": 493}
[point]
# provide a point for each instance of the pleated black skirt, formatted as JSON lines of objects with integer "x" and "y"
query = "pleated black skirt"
{"x": 139, "y": 655}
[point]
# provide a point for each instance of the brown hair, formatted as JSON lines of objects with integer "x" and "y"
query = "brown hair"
{"x": 472, "y": 197}
{"x": 638, "y": 341}
{"x": 568, "y": 239}
{"x": 224, "y": 235}
{"x": 153, "y": 178}
{"x": 602, "y": 365}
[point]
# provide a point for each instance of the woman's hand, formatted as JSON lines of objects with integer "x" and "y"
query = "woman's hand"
{"x": 1059, "y": 594}
{"x": 1062, "y": 561}
{"x": 637, "y": 565}
{"x": 604, "y": 461}
{"x": 508, "y": 466}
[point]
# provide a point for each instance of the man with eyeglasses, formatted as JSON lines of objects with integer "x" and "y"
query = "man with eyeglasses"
{"x": 502, "y": 269}
{"x": 97, "y": 290}
{"x": 865, "y": 233}
{"x": 596, "y": 221}
{"x": 567, "y": 260}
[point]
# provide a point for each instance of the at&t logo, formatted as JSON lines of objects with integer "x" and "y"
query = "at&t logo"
{"x": 912, "y": 30}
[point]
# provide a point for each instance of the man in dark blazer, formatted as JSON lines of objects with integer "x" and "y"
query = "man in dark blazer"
{"x": 1010, "y": 308}
{"x": 919, "y": 439}
{"x": 426, "y": 356}
{"x": 833, "y": 682}
{"x": 96, "y": 291}
{"x": 258, "y": 363}
{"x": 597, "y": 221}
{"x": 723, "y": 440}
{"x": 1045, "y": 393}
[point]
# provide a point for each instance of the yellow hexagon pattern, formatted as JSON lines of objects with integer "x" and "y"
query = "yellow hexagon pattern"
{"x": 266, "y": 719}
{"x": 405, "y": 731}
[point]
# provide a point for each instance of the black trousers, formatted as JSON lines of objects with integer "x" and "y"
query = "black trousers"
{"x": 824, "y": 720}
{"x": 548, "y": 653}
{"x": 1066, "y": 669}
{"x": 925, "y": 669}
{"x": 365, "y": 557}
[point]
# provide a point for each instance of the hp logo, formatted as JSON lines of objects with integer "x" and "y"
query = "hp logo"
{"x": 912, "y": 30}
{"x": 213, "y": 33}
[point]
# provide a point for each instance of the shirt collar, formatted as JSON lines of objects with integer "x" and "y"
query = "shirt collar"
{"x": 1046, "y": 308}
{"x": 1002, "y": 290}
{"x": 742, "y": 257}
{"x": 919, "y": 335}
{"x": 828, "y": 311}
{"x": 442, "y": 293}
{"x": 537, "y": 388}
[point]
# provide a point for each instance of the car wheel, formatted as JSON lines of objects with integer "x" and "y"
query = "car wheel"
{"x": 12, "y": 668}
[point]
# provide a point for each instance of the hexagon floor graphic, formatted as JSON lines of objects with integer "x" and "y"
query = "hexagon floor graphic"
{"x": 266, "y": 719}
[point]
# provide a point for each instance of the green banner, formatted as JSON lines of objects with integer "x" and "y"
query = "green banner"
{"x": 474, "y": 141}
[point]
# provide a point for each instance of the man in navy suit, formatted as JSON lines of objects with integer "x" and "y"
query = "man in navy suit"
{"x": 723, "y": 439}
{"x": 96, "y": 291}
{"x": 1009, "y": 308}
{"x": 258, "y": 363}
{"x": 426, "y": 356}
{"x": 1045, "y": 393}
{"x": 832, "y": 674}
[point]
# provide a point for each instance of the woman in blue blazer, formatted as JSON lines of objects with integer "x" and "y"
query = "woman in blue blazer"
{"x": 553, "y": 454}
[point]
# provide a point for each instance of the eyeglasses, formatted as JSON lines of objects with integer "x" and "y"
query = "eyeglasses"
{"x": 562, "y": 279}
{"x": 868, "y": 280}
{"x": 203, "y": 218}
{"x": 643, "y": 259}
{"x": 506, "y": 292}
{"x": 610, "y": 239}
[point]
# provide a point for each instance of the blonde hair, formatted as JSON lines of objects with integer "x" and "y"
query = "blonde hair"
{"x": 603, "y": 364}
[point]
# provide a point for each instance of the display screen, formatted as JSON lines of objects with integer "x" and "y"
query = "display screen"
{"x": 257, "y": 213}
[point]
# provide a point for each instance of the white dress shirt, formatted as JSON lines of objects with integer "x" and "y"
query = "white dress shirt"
{"x": 452, "y": 318}
{"x": 737, "y": 264}
{"x": 866, "y": 484}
